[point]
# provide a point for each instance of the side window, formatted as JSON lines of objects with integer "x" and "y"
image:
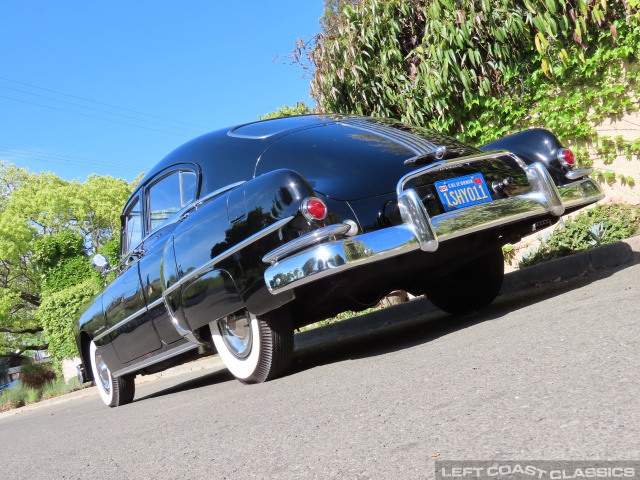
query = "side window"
{"x": 132, "y": 227}
{"x": 170, "y": 194}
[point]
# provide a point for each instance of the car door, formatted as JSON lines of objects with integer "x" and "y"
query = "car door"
{"x": 132, "y": 331}
{"x": 166, "y": 198}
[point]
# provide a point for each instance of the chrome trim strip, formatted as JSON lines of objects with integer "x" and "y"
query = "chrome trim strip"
{"x": 183, "y": 331}
{"x": 121, "y": 323}
{"x": 418, "y": 145}
{"x": 253, "y": 238}
{"x": 443, "y": 164}
{"x": 305, "y": 241}
{"x": 156, "y": 359}
{"x": 155, "y": 303}
{"x": 577, "y": 174}
{"x": 216, "y": 193}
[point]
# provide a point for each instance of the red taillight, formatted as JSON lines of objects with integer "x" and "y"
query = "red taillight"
{"x": 566, "y": 157}
{"x": 313, "y": 208}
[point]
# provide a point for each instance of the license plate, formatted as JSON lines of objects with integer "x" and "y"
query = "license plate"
{"x": 462, "y": 192}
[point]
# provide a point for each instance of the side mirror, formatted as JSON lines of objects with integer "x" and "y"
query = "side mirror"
{"x": 100, "y": 263}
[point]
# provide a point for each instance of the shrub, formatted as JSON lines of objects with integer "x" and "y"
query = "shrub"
{"x": 55, "y": 389}
{"x": 58, "y": 312}
{"x": 468, "y": 68}
{"x": 62, "y": 261}
{"x": 112, "y": 250}
{"x": 67, "y": 273}
{"x": 36, "y": 375}
{"x": 591, "y": 228}
{"x": 483, "y": 69}
{"x": 17, "y": 397}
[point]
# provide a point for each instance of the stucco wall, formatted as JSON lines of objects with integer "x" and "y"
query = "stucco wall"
{"x": 69, "y": 368}
{"x": 628, "y": 127}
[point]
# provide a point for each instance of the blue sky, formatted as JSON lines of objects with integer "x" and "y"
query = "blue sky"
{"x": 209, "y": 64}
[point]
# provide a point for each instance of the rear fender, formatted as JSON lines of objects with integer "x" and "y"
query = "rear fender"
{"x": 535, "y": 145}
{"x": 219, "y": 247}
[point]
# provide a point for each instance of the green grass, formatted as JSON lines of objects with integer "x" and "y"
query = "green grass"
{"x": 20, "y": 395}
{"x": 17, "y": 397}
{"x": 340, "y": 317}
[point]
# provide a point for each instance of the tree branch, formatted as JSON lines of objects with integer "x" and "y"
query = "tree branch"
{"x": 24, "y": 348}
{"x": 21, "y": 332}
{"x": 32, "y": 299}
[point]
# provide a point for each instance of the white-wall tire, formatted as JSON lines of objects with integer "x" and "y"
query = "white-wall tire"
{"x": 113, "y": 391}
{"x": 271, "y": 351}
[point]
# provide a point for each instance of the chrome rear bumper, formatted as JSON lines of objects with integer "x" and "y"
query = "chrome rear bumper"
{"x": 327, "y": 251}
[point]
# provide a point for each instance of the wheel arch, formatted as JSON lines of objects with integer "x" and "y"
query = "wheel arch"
{"x": 85, "y": 358}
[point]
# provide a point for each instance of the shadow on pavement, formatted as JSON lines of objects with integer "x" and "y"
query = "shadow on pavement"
{"x": 412, "y": 330}
{"x": 220, "y": 376}
{"x": 427, "y": 327}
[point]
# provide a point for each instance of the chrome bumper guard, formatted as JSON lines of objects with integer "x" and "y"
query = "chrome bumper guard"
{"x": 323, "y": 253}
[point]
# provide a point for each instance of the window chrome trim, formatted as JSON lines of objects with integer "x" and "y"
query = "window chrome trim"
{"x": 121, "y": 323}
{"x": 253, "y": 238}
{"x": 147, "y": 199}
{"x": 133, "y": 201}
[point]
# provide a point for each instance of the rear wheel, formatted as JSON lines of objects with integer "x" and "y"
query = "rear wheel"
{"x": 474, "y": 286}
{"x": 254, "y": 349}
{"x": 113, "y": 391}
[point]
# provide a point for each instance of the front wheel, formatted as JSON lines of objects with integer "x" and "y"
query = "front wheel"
{"x": 471, "y": 287}
{"x": 254, "y": 349}
{"x": 113, "y": 391}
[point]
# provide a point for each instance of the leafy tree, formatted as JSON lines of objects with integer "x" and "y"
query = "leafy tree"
{"x": 286, "y": 111}
{"x": 62, "y": 261}
{"x": 330, "y": 20}
{"x": 47, "y": 228}
{"x": 476, "y": 69}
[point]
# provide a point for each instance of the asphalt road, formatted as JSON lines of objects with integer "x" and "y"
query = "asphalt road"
{"x": 551, "y": 373}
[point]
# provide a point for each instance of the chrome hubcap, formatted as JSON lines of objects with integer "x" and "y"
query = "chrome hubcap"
{"x": 103, "y": 373}
{"x": 236, "y": 334}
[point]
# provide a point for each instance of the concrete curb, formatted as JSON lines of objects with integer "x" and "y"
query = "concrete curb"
{"x": 85, "y": 392}
{"x": 612, "y": 255}
{"x": 405, "y": 314}
{"x": 203, "y": 364}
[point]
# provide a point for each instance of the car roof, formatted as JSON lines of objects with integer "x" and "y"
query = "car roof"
{"x": 241, "y": 145}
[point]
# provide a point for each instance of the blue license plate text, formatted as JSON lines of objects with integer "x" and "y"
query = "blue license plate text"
{"x": 462, "y": 192}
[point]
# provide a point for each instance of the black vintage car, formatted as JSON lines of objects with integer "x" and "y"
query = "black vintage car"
{"x": 244, "y": 234}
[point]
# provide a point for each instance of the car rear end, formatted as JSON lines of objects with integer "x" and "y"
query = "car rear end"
{"x": 406, "y": 217}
